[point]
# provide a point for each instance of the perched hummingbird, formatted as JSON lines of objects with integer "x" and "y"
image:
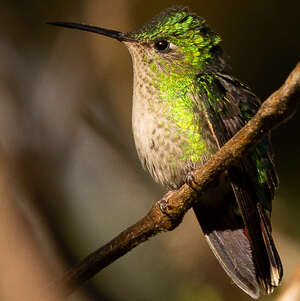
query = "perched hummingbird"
{"x": 185, "y": 107}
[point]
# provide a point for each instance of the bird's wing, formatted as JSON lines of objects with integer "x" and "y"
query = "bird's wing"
{"x": 228, "y": 105}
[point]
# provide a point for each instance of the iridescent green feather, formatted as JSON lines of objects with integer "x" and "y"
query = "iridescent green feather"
{"x": 175, "y": 79}
{"x": 188, "y": 31}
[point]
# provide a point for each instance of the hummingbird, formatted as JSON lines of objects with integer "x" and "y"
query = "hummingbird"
{"x": 186, "y": 106}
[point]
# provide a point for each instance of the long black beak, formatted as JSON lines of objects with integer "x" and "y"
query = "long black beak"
{"x": 120, "y": 36}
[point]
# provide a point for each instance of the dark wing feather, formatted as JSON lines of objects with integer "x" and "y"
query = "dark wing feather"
{"x": 253, "y": 180}
{"x": 242, "y": 106}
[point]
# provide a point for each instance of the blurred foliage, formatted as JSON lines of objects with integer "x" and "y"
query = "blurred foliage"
{"x": 65, "y": 120}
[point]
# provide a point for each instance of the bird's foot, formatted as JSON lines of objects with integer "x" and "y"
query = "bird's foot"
{"x": 163, "y": 204}
{"x": 190, "y": 181}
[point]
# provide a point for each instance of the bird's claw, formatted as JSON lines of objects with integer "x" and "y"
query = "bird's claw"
{"x": 163, "y": 206}
{"x": 191, "y": 182}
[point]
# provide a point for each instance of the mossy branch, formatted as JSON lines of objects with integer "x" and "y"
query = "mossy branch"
{"x": 280, "y": 106}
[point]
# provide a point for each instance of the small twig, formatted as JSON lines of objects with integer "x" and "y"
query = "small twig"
{"x": 276, "y": 109}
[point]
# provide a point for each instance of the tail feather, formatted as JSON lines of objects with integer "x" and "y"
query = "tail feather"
{"x": 223, "y": 228}
{"x": 240, "y": 238}
{"x": 233, "y": 251}
{"x": 257, "y": 225}
{"x": 274, "y": 259}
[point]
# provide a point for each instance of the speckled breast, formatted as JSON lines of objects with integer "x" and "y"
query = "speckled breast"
{"x": 165, "y": 148}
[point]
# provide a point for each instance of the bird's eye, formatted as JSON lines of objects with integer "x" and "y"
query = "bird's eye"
{"x": 161, "y": 45}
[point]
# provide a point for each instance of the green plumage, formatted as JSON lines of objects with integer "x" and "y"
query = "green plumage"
{"x": 196, "y": 100}
{"x": 185, "y": 108}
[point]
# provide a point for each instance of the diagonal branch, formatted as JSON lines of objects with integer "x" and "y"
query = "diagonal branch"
{"x": 279, "y": 107}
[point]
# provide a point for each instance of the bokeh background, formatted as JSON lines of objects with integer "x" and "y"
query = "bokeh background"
{"x": 70, "y": 179}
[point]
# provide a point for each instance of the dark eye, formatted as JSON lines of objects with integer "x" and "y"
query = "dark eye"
{"x": 161, "y": 45}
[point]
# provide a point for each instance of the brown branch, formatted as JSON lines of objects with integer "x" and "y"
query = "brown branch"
{"x": 276, "y": 109}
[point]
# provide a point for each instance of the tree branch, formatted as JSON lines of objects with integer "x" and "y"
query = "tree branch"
{"x": 280, "y": 106}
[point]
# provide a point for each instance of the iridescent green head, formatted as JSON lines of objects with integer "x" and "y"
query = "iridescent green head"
{"x": 179, "y": 37}
{"x": 174, "y": 37}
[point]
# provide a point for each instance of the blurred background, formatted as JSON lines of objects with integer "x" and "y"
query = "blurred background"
{"x": 70, "y": 179}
